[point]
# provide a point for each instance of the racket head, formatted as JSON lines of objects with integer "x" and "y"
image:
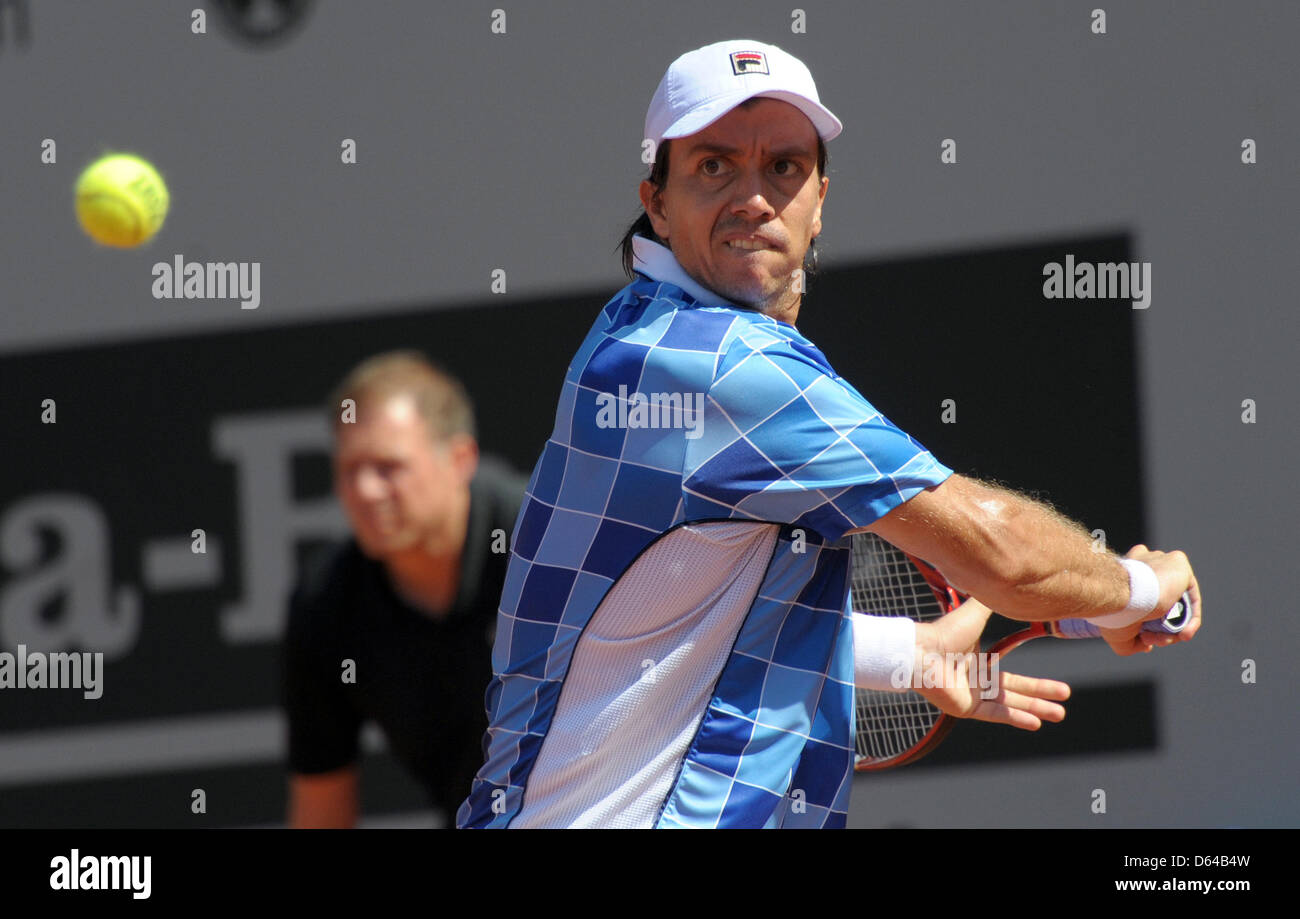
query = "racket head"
{"x": 894, "y": 728}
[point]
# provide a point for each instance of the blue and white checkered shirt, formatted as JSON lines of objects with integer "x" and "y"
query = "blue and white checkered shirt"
{"x": 781, "y": 439}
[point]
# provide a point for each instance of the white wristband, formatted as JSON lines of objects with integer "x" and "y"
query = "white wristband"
{"x": 884, "y": 652}
{"x": 1144, "y": 594}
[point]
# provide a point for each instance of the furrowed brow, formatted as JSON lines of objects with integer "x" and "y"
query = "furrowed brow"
{"x": 785, "y": 152}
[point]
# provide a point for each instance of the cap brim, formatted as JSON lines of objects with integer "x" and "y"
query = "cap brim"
{"x": 826, "y": 124}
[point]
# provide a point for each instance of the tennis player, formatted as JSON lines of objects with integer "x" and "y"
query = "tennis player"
{"x": 674, "y": 646}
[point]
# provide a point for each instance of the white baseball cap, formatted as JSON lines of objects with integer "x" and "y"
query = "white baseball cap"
{"x": 703, "y": 85}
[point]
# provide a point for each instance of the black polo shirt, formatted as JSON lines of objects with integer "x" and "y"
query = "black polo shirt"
{"x": 421, "y": 680}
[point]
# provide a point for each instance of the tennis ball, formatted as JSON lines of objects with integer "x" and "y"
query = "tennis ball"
{"x": 121, "y": 200}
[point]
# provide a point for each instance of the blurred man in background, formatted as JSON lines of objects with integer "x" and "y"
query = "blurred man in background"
{"x": 394, "y": 626}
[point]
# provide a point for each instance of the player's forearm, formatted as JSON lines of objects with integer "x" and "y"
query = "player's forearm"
{"x": 1044, "y": 566}
{"x": 1015, "y": 554}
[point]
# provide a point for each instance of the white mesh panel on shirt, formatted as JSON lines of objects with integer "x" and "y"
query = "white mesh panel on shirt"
{"x": 641, "y": 676}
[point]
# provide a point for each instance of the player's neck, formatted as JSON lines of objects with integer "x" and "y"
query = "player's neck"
{"x": 784, "y": 309}
{"x": 783, "y": 305}
{"x": 788, "y": 312}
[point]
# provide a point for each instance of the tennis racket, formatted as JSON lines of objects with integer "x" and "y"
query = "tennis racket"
{"x": 894, "y": 728}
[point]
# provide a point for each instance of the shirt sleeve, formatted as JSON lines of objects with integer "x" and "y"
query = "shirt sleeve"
{"x": 323, "y": 728}
{"x": 784, "y": 439}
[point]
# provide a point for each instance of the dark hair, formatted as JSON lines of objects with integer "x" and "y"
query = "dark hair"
{"x": 659, "y": 179}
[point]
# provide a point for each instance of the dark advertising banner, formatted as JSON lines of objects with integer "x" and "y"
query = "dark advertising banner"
{"x": 158, "y": 497}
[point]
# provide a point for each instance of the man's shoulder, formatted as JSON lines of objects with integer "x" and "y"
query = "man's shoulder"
{"x": 773, "y": 349}
{"x": 328, "y": 576}
{"x": 499, "y": 485}
{"x": 659, "y": 314}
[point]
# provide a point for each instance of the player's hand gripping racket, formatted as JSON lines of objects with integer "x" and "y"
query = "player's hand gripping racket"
{"x": 894, "y": 728}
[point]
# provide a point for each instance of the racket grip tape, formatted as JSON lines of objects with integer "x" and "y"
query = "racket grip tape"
{"x": 1174, "y": 621}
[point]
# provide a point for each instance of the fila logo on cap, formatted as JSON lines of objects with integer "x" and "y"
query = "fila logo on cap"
{"x": 743, "y": 62}
{"x": 697, "y": 90}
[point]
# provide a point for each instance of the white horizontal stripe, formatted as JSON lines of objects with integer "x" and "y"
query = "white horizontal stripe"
{"x": 163, "y": 745}
{"x": 171, "y": 564}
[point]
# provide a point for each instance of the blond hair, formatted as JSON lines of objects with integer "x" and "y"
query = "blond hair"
{"x": 439, "y": 397}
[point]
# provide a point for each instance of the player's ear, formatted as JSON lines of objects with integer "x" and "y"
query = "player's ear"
{"x": 463, "y": 453}
{"x": 817, "y": 213}
{"x": 653, "y": 205}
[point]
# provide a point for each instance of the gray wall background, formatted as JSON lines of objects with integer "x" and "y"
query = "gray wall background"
{"x": 521, "y": 151}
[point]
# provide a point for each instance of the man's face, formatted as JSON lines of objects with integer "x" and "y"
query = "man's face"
{"x": 751, "y": 175}
{"x": 395, "y": 482}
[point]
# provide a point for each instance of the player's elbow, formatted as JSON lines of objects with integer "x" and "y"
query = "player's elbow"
{"x": 994, "y": 555}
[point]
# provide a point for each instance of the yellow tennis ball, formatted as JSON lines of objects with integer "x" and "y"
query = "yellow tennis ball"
{"x": 121, "y": 200}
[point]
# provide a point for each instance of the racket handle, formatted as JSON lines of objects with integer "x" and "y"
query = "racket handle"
{"x": 1174, "y": 621}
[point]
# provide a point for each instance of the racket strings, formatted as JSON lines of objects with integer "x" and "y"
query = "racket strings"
{"x": 885, "y": 583}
